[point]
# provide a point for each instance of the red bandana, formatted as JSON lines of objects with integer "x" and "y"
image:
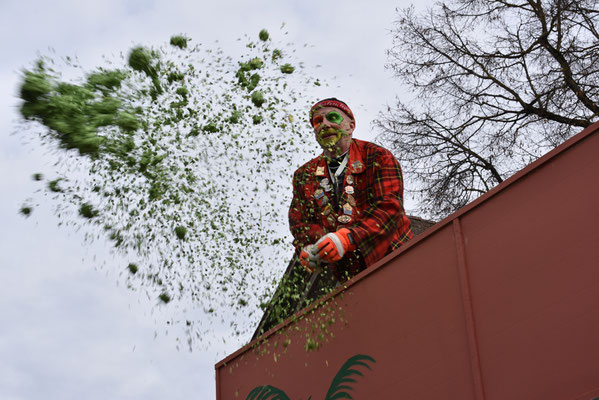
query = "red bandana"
{"x": 331, "y": 103}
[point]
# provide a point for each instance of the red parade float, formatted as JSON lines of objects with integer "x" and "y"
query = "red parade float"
{"x": 498, "y": 301}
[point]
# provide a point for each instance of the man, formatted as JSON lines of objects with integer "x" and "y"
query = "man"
{"x": 347, "y": 208}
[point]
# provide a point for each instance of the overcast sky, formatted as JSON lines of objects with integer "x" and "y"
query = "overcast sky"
{"x": 67, "y": 329}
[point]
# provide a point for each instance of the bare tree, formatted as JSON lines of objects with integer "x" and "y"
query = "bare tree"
{"x": 497, "y": 83}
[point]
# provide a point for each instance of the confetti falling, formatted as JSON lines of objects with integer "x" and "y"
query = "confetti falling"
{"x": 189, "y": 153}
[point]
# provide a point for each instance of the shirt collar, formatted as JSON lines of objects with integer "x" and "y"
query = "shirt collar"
{"x": 355, "y": 164}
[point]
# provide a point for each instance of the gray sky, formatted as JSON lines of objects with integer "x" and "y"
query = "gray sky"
{"x": 68, "y": 330}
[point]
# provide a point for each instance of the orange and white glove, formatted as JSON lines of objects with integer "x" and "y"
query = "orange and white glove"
{"x": 333, "y": 246}
{"x": 309, "y": 258}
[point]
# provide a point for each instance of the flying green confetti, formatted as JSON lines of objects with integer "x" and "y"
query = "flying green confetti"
{"x": 189, "y": 153}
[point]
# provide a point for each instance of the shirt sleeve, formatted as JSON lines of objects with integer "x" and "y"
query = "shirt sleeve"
{"x": 376, "y": 228}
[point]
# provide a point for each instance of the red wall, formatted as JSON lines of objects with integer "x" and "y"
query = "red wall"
{"x": 498, "y": 301}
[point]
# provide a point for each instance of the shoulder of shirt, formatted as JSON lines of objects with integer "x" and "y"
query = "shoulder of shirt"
{"x": 369, "y": 147}
{"x": 310, "y": 164}
{"x": 363, "y": 145}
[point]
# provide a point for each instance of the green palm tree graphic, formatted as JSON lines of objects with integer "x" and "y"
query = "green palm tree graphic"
{"x": 339, "y": 389}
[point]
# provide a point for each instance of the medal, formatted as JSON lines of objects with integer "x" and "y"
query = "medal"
{"x": 344, "y": 219}
{"x": 349, "y": 189}
{"x": 351, "y": 200}
{"x": 347, "y": 209}
{"x": 319, "y": 171}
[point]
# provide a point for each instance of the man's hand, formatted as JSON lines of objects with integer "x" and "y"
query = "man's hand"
{"x": 333, "y": 246}
{"x": 309, "y": 258}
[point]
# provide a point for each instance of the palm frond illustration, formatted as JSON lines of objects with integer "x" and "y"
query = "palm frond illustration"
{"x": 267, "y": 393}
{"x": 339, "y": 389}
{"x": 345, "y": 378}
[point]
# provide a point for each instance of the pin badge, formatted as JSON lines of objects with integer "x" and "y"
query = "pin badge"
{"x": 357, "y": 166}
{"x": 351, "y": 200}
{"x": 344, "y": 219}
{"x": 349, "y": 189}
{"x": 319, "y": 171}
{"x": 331, "y": 220}
{"x": 318, "y": 194}
{"x": 324, "y": 201}
{"x": 347, "y": 209}
{"x": 324, "y": 182}
{"x": 349, "y": 179}
{"x": 328, "y": 188}
{"x": 327, "y": 210}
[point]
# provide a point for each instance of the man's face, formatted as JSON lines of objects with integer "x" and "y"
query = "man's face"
{"x": 333, "y": 129}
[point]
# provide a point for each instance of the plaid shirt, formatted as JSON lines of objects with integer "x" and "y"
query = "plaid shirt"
{"x": 369, "y": 203}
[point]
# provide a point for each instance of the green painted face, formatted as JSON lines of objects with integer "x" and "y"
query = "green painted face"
{"x": 328, "y": 137}
{"x": 332, "y": 116}
{"x": 332, "y": 127}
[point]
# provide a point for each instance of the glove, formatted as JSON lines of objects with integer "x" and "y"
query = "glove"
{"x": 333, "y": 246}
{"x": 309, "y": 258}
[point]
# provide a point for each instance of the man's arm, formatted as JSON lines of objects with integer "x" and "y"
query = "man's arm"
{"x": 377, "y": 224}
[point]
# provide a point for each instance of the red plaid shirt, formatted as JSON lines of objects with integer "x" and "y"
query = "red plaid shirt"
{"x": 371, "y": 195}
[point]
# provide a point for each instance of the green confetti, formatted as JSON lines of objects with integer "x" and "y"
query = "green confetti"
{"x": 132, "y": 268}
{"x": 264, "y": 35}
{"x": 287, "y": 69}
{"x": 106, "y": 80}
{"x": 35, "y": 86}
{"x": 180, "y": 139}
{"x": 258, "y": 98}
{"x": 140, "y": 60}
{"x": 179, "y": 41}
{"x": 165, "y": 298}
{"x": 87, "y": 211}
{"x": 277, "y": 54}
{"x": 175, "y": 76}
{"x": 53, "y": 186}
{"x": 26, "y": 210}
{"x": 181, "y": 231}
{"x": 256, "y": 119}
{"x": 182, "y": 91}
